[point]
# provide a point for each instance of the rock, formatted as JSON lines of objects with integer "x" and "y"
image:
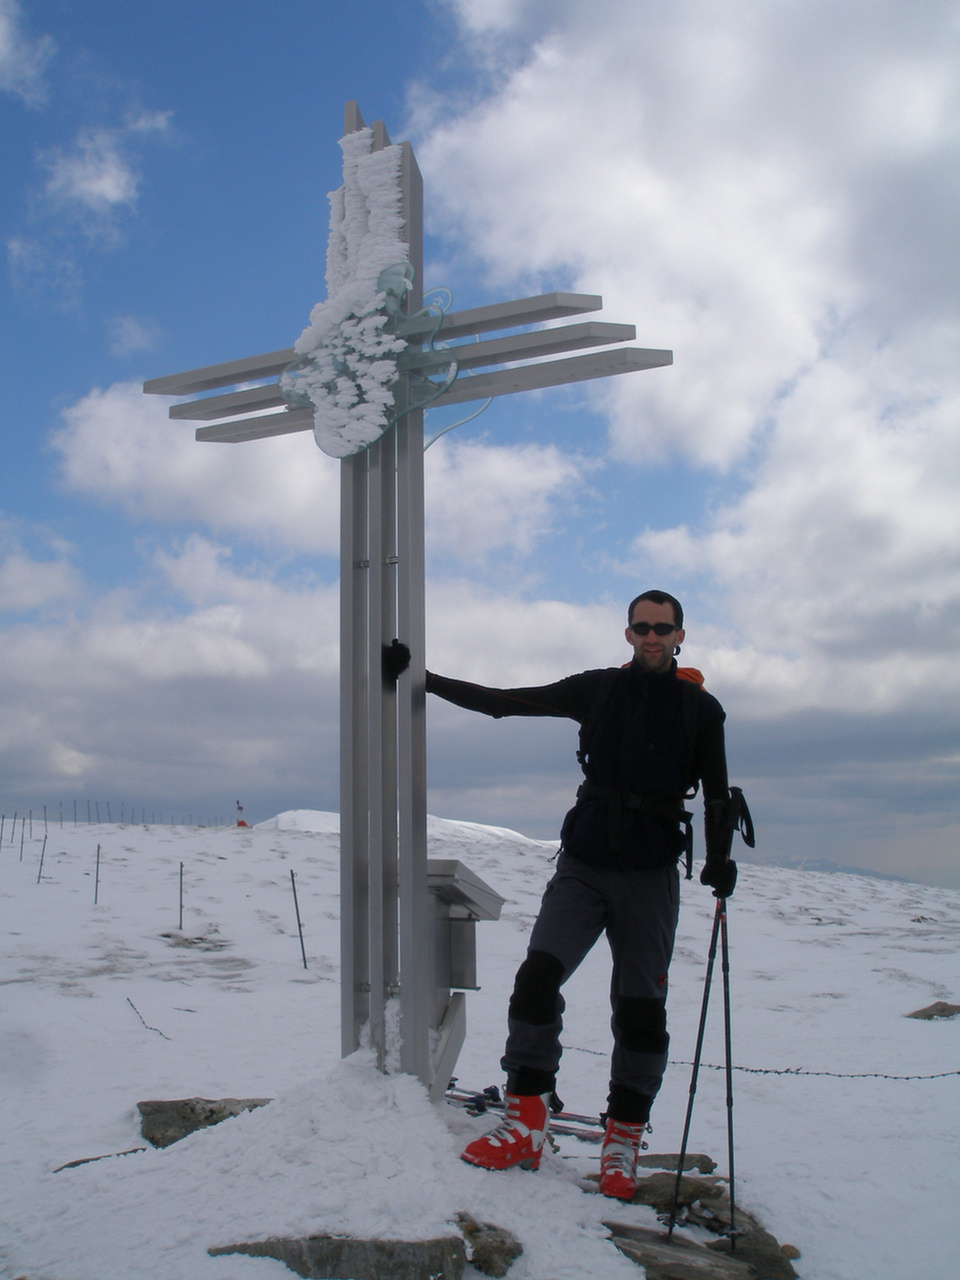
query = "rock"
{"x": 494, "y": 1249}
{"x": 939, "y": 1009}
{"x": 698, "y": 1161}
{"x": 658, "y": 1190}
{"x": 111, "y": 1155}
{"x": 676, "y": 1258}
{"x": 704, "y": 1202}
{"x": 337, "y": 1258}
{"x": 758, "y": 1248}
{"x": 163, "y": 1123}
{"x": 754, "y": 1244}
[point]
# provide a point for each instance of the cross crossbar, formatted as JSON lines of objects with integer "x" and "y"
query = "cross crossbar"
{"x": 552, "y": 373}
{"x": 505, "y": 315}
{"x": 541, "y": 342}
{"x": 484, "y": 386}
{"x": 262, "y": 428}
{"x": 261, "y": 402}
{"x": 458, "y": 324}
{"x": 228, "y": 374}
{"x": 494, "y": 351}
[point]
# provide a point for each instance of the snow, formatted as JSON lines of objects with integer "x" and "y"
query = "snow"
{"x": 104, "y": 1005}
{"x": 348, "y": 365}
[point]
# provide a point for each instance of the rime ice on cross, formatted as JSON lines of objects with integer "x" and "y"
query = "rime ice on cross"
{"x": 358, "y": 377}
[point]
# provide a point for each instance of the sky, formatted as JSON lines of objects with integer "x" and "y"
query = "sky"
{"x": 767, "y": 189}
{"x": 111, "y": 996}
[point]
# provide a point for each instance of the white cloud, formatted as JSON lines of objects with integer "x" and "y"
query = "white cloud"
{"x": 769, "y": 190}
{"x": 840, "y": 562}
{"x": 295, "y": 624}
{"x": 493, "y": 637}
{"x": 88, "y": 191}
{"x": 482, "y": 499}
{"x": 721, "y": 176}
{"x": 36, "y": 570}
{"x": 44, "y": 271}
{"x": 729, "y": 263}
{"x": 96, "y": 180}
{"x": 766, "y": 189}
{"x": 128, "y": 335}
{"x": 488, "y": 15}
{"x": 23, "y": 61}
{"x": 738, "y": 181}
{"x": 149, "y": 122}
{"x": 120, "y": 445}
{"x": 27, "y": 584}
{"x": 93, "y": 173}
{"x": 237, "y": 689}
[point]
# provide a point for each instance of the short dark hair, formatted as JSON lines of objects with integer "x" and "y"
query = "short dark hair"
{"x": 659, "y": 597}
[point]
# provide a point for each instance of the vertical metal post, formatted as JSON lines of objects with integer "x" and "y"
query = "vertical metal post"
{"x": 378, "y": 798}
{"x": 354, "y": 803}
{"x": 416, "y": 919}
{"x": 389, "y": 872}
{"x": 416, "y": 970}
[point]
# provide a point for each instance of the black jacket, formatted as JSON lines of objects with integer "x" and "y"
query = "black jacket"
{"x": 638, "y": 763}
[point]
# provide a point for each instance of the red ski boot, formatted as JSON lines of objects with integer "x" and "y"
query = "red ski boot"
{"x": 519, "y": 1139}
{"x": 618, "y": 1159}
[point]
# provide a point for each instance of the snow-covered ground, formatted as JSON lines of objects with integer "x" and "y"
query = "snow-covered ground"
{"x": 104, "y": 1005}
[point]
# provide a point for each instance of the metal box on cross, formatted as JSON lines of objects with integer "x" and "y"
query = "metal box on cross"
{"x": 360, "y": 377}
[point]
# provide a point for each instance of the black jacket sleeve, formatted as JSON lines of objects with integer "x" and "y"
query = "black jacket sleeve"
{"x": 711, "y": 764}
{"x": 710, "y": 757}
{"x": 568, "y": 698}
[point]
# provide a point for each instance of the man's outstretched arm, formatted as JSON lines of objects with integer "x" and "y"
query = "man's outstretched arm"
{"x": 565, "y": 698}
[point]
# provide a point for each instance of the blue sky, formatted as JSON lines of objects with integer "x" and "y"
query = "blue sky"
{"x": 767, "y": 189}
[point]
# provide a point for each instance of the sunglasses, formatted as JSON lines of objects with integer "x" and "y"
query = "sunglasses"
{"x": 658, "y": 628}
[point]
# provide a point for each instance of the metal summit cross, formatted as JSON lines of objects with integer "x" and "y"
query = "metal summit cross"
{"x": 359, "y": 377}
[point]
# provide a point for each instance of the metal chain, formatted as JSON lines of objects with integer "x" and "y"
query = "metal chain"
{"x": 786, "y": 1071}
{"x": 801, "y": 1071}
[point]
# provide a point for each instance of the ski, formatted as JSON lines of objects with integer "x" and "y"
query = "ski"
{"x": 570, "y": 1123}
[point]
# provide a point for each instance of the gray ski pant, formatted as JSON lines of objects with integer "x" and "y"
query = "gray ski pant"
{"x": 638, "y": 911}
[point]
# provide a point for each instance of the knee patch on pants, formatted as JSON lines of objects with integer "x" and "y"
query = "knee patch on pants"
{"x": 641, "y": 1024}
{"x": 536, "y": 989}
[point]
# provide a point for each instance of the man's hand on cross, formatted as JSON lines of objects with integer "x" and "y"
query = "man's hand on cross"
{"x": 396, "y": 659}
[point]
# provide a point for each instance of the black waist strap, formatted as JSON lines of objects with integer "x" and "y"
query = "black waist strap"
{"x": 655, "y": 806}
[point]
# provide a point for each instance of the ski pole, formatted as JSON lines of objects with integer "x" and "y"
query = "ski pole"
{"x": 711, "y": 957}
{"x": 725, "y": 969}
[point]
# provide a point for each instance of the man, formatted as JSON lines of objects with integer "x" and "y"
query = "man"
{"x": 649, "y": 734}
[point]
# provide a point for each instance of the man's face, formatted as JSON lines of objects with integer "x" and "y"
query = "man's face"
{"x": 654, "y": 653}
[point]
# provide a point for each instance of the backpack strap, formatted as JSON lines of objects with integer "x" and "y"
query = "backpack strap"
{"x": 600, "y": 700}
{"x": 690, "y": 710}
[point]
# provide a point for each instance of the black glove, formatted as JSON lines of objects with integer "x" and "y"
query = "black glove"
{"x": 396, "y": 659}
{"x": 721, "y": 876}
